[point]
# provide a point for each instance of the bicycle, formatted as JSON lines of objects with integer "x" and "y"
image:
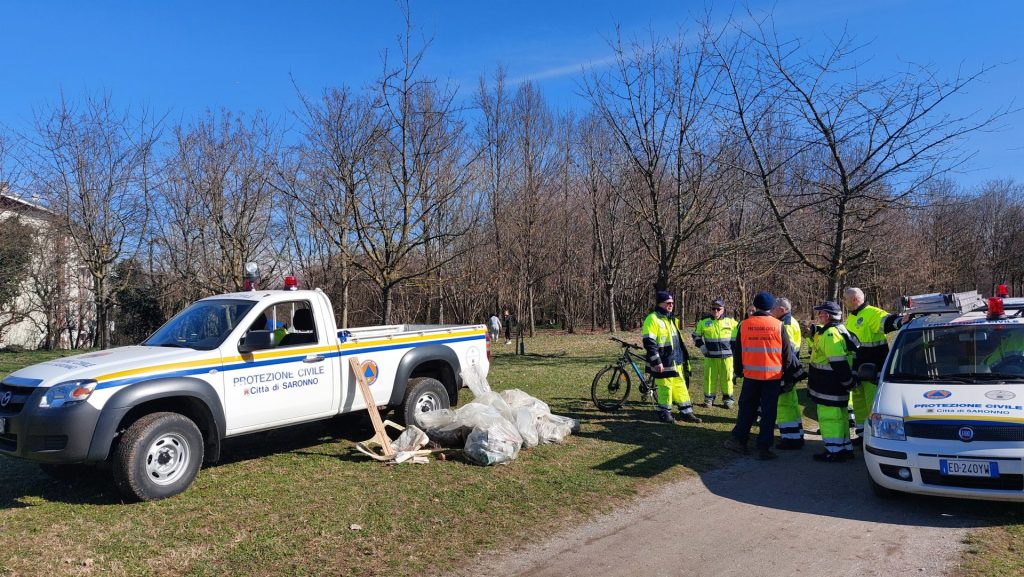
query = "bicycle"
{"x": 612, "y": 384}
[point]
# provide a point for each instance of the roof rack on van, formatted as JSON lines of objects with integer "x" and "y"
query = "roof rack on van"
{"x": 935, "y": 303}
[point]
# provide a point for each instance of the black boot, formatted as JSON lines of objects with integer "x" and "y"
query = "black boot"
{"x": 829, "y": 457}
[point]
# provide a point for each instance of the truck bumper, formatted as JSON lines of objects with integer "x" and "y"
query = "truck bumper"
{"x": 60, "y": 435}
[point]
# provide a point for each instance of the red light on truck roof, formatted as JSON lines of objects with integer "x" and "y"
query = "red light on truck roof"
{"x": 290, "y": 283}
{"x": 996, "y": 309}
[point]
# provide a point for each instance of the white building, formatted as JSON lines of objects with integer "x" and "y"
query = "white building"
{"x": 56, "y": 296}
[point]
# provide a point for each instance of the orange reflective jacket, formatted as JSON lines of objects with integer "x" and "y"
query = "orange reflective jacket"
{"x": 761, "y": 347}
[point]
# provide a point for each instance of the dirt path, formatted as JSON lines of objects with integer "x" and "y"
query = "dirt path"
{"x": 790, "y": 516}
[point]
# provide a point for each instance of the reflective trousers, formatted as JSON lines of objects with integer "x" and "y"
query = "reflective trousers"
{"x": 835, "y": 428}
{"x": 863, "y": 398}
{"x": 791, "y": 424}
{"x": 672, "y": 391}
{"x": 717, "y": 376}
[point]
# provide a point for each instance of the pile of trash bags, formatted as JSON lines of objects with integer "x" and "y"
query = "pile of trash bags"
{"x": 493, "y": 427}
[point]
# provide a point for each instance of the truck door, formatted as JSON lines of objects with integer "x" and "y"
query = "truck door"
{"x": 291, "y": 381}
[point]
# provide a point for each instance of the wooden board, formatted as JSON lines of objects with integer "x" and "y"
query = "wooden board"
{"x": 371, "y": 407}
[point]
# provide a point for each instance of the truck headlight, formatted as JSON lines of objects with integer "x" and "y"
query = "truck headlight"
{"x": 888, "y": 427}
{"x": 69, "y": 393}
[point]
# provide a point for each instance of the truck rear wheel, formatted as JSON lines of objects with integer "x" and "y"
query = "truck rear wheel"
{"x": 423, "y": 394}
{"x": 158, "y": 456}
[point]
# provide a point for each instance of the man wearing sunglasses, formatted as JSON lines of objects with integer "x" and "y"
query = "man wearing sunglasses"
{"x": 713, "y": 335}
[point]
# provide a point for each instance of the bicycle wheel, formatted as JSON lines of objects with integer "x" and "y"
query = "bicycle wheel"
{"x": 610, "y": 388}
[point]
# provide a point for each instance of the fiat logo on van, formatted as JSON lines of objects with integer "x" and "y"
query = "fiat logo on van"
{"x": 938, "y": 394}
{"x": 966, "y": 434}
{"x": 5, "y": 399}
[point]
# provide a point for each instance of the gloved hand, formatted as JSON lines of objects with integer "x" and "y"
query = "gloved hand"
{"x": 787, "y": 385}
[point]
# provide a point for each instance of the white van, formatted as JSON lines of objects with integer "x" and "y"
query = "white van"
{"x": 949, "y": 415}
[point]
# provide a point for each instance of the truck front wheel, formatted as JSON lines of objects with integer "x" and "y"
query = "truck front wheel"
{"x": 423, "y": 394}
{"x": 158, "y": 456}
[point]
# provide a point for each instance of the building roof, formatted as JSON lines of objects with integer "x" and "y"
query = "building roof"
{"x": 21, "y": 205}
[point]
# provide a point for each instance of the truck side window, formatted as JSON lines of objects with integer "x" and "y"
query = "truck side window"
{"x": 292, "y": 323}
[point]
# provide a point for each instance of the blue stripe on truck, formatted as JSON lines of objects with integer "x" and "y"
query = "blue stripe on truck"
{"x": 269, "y": 362}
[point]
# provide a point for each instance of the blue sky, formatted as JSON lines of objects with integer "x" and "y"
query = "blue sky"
{"x": 185, "y": 57}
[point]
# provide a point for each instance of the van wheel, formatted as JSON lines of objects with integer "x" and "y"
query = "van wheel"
{"x": 158, "y": 456}
{"x": 423, "y": 394}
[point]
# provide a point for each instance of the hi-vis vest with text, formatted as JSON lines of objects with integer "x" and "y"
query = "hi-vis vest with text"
{"x": 761, "y": 347}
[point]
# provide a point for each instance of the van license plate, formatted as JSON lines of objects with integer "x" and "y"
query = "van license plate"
{"x": 963, "y": 468}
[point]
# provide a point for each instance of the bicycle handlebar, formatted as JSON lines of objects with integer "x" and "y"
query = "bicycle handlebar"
{"x": 625, "y": 344}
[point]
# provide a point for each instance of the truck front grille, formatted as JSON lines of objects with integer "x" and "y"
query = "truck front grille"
{"x": 18, "y": 397}
{"x": 993, "y": 432}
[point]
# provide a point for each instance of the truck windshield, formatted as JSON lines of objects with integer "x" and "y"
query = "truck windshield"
{"x": 203, "y": 326}
{"x": 961, "y": 353}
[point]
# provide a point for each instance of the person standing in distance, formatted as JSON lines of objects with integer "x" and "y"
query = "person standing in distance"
{"x": 713, "y": 334}
{"x": 870, "y": 325}
{"x": 831, "y": 380}
{"x": 791, "y": 427}
{"x": 667, "y": 360}
{"x": 764, "y": 355}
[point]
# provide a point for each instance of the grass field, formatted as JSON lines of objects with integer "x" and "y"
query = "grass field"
{"x": 285, "y": 502}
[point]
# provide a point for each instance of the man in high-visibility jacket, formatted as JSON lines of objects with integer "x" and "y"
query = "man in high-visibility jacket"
{"x": 830, "y": 381}
{"x": 870, "y": 325}
{"x": 667, "y": 360}
{"x": 764, "y": 355}
{"x": 791, "y": 426}
{"x": 713, "y": 335}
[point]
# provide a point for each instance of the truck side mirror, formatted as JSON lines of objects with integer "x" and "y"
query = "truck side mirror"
{"x": 255, "y": 341}
{"x": 867, "y": 372}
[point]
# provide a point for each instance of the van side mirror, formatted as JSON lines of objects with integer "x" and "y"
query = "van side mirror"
{"x": 867, "y": 372}
{"x": 255, "y": 341}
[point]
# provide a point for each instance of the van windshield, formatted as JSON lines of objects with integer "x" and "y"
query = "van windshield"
{"x": 962, "y": 353}
{"x": 204, "y": 325}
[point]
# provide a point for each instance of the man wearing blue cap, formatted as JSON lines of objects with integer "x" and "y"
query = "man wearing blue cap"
{"x": 713, "y": 334}
{"x": 831, "y": 380}
{"x": 667, "y": 360}
{"x": 765, "y": 355}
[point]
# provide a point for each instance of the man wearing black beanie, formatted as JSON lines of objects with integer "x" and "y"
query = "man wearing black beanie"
{"x": 762, "y": 354}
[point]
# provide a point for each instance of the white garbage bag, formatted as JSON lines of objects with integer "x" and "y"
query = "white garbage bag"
{"x": 497, "y": 444}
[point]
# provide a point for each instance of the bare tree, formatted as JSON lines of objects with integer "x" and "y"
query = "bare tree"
{"x": 331, "y": 172}
{"x": 420, "y": 173}
{"x": 93, "y": 163}
{"x": 656, "y": 103}
{"x": 834, "y": 154}
{"x": 220, "y": 200}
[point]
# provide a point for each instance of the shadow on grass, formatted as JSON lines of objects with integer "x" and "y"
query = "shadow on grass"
{"x": 22, "y": 483}
{"x": 657, "y": 446}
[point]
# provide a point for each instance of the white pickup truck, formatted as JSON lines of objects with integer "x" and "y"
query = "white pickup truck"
{"x": 227, "y": 365}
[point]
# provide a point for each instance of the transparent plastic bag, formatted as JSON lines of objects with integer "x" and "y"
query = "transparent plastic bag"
{"x": 516, "y": 399}
{"x": 474, "y": 415}
{"x": 555, "y": 428}
{"x": 499, "y": 404}
{"x": 411, "y": 439}
{"x": 475, "y": 380}
{"x": 526, "y": 424}
{"x": 497, "y": 444}
{"x": 442, "y": 428}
